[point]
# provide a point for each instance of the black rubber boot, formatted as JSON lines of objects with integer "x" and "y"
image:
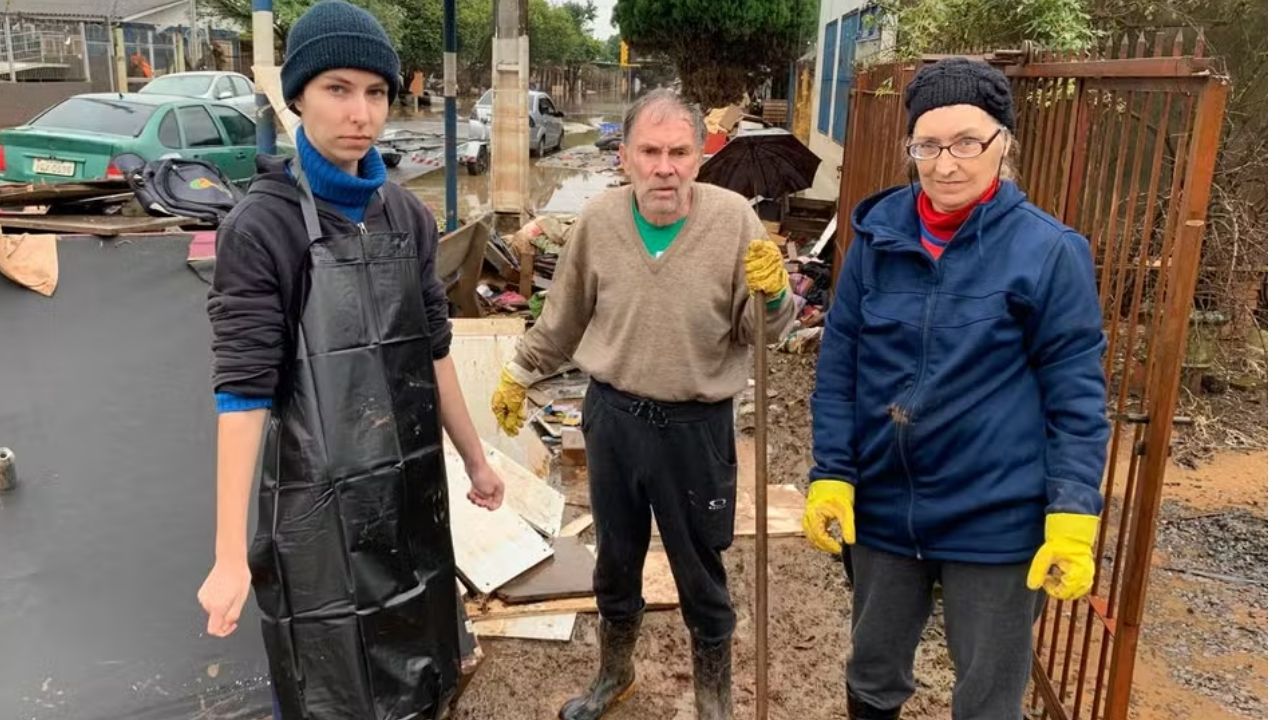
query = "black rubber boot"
{"x": 713, "y": 679}
{"x": 617, "y": 675}
{"x": 859, "y": 710}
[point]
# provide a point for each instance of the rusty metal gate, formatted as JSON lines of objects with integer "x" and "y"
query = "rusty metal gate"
{"x": 1119, "y": 143}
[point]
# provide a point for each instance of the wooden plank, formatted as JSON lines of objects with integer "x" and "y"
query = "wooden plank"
{"x": 576, "y": 526}
{"x": 20, "y": 195}
{"x": 557, "y": 628}
{"x": 103, "y": 225}
{"x": 659, "y": 594}
{"x": 566, "y": 575}
{"x": 539, "y": 504}
{"x": 267, "y": 79}
{"x": 490, "y": 547}
{"x": 480, "y": 348}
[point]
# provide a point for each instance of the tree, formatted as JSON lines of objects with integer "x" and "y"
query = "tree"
{"x": 390, "y": 13}
{"x": 720, "y": 48}
{"x": 925, "y": 26}
{"x": 611, "y": 49}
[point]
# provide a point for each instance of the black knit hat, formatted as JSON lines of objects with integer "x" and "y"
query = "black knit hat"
{"x": 334, "y": 34}
{"x": 959, "y": 81}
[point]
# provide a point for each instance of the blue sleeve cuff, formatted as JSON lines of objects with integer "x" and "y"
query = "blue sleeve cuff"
{"x": 230, "y": 402}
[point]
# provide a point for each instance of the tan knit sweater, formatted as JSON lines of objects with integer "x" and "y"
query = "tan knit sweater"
{"x": 674, "y": 328}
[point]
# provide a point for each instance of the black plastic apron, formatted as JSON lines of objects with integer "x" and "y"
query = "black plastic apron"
{"x": 352, "y": 562}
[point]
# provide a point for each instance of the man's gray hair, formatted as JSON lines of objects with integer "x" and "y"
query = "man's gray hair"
{"x": 664, "y": 100}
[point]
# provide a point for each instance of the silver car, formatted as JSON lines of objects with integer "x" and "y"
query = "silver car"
{"x": 228, "y": 87}
{"x": 546, "y": 127}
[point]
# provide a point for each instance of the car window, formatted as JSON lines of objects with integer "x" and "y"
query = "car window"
{"x": 545, "y": 107}
{"x": 243, "y": 87}
{"x": 184, "y": 85}
{"x": 199, "y": 127}
{"x": 168, "y": 134}
{"x": 101, "y": 115}
{"x": 223, "y": 88}
{"x": 238, "y": 127}
{"x": 486, "y": 99}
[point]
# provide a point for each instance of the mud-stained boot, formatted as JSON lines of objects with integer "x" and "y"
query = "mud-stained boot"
{"x": 859, "y": 710}
{"x": 713, "y": 679}
{"x": 617, "y": 675}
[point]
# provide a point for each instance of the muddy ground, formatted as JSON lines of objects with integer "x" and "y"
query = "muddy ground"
{"x": 1202, "y": 654}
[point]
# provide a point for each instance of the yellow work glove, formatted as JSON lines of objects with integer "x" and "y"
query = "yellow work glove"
{"x": 1068, "y": 547}
{"x": 829, "y": 500}
{"x": 765, "y": 272}
{"x": 508, "y": 403}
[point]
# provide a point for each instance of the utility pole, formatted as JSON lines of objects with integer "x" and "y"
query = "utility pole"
{"x": 451, "y": 115}
{"x": 264, "y": 56}
{"x": 509, "y": 173}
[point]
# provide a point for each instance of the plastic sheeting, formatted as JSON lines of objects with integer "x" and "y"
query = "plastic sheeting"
{"x": 105, "y": 400}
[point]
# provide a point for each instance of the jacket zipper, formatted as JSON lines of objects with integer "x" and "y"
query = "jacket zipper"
{"x": 909, "y": 406}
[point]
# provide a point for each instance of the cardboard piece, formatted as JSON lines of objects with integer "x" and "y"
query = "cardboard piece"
{"x": 490, "y": 547}
{"x": 31, "y": 261}
{"x": 566, "y": 575}
{"x": 573, "y": 447}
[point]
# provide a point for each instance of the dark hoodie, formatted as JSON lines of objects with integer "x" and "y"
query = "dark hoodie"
{"x": 964, "y": 397}
{"x": 255, "y": 302}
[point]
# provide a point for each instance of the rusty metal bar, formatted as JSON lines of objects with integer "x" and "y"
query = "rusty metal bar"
{"x": 1154, "y": 68}
{"x": 1052, "y": 704}
{"x": 1171, "y": 345}
{"x": 1106, "y": 106}
{"x": 1052, "y": 182}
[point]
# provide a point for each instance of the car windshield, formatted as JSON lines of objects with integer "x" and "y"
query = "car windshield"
{"x": 185, "y": 85}
{"x": 100, "y": 115}
{"x": 486, "y": 99}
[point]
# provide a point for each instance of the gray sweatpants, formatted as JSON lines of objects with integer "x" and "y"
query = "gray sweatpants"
{"x": 988, "y": 614}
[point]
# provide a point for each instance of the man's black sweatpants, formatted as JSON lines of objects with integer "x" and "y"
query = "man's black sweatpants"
{"x": 679, "y": 460}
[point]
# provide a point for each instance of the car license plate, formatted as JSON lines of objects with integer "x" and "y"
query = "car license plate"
{"x": 45, "y": 166}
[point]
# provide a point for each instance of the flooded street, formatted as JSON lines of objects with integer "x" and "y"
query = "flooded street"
{"x": 551, "y": 189}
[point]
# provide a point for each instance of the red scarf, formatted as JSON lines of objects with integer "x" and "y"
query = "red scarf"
{"x": 937, "y": 227}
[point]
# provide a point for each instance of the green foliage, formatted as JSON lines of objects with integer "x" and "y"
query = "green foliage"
{"x": 720, "y": 48}
{"x": 559, "y": 35}
{"x": 930, "y": 26}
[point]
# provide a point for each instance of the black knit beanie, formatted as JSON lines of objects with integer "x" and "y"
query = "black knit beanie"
{"x": 331, "y": 35}
{"x": 959, "y": 81}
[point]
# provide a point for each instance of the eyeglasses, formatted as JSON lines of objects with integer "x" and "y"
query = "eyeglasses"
{"x": 962, "y": 149}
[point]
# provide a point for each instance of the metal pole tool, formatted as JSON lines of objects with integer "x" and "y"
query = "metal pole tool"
{"x": 762, "y": 513}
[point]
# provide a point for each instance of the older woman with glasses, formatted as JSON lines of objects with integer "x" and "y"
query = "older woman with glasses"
{"x": 960, "y": 398}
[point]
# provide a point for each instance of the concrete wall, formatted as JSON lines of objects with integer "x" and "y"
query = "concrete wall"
{"x": 23, "y": 100}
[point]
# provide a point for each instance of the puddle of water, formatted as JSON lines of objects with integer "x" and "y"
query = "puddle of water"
{"x": 558, "y": 190}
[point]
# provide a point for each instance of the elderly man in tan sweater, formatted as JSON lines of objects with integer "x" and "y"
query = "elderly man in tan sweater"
{"x": 651, "y": 298}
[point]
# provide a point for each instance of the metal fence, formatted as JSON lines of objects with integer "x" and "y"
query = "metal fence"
{"x": 49, "y": 50}
{"x": 1120, "y": 143}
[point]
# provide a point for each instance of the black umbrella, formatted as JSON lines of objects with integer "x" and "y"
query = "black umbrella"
{"x": 770, "y": 163}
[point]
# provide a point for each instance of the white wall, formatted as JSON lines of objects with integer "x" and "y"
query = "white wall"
{"x": 826, "y": 184}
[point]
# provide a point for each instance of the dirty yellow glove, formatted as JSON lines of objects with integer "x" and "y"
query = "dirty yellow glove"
{"x": 829, "y": 500}
{"x": 1068, "y": 547}
{"x": 765, "y": 272}
{"x": 508, "y": 403}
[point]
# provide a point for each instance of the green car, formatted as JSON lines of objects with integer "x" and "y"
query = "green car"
{"x": 78, "y": 139}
